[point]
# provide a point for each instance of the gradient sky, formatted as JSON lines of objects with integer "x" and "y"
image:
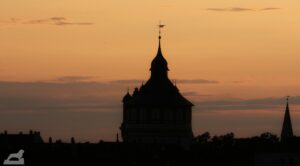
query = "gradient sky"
{"x": 65, "y": 64}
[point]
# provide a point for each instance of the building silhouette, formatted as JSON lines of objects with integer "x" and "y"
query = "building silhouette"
{"x": 287, "y": 130}
{"x": 157, "y": 112}
{"x": 32, "y": 137}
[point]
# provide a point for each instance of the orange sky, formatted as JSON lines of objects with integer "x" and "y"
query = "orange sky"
{"x": 223, "y": 45}
{"x": 250, "y": 47}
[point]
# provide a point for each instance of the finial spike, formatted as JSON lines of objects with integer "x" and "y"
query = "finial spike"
{"x": 159, "y": 29}
{"x": 159, "y": 34}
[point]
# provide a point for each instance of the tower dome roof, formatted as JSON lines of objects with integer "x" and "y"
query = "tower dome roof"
{"x": 159, "y": 90}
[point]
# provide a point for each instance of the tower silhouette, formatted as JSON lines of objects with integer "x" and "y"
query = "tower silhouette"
{"x": 287, "y": 130}
{"x": 157, "y": 112}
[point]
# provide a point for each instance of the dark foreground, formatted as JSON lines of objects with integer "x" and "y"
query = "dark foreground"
{"x": 224, "y": 150}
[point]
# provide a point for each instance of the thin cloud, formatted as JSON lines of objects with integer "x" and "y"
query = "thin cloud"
{"x": 60, "y": 21}
{"x": 190, "y": 93}
{"x": 240, "y": 9}
{"x": 194, "y": 94}
{"x": 58, "y": 18}
{"x": 234, "y": 9}
{"x": 245, "y": 104}
{"x": 74, "y": 92}
{"x": 240, "y": 81}
{"x": 71, "y": 93}
{"x": 10, "y": 20}
{"x": 180, "y": 81}
{"x": 67, "y": 93}
{"x": 197, "y": 81}
{"x": 129, "y": 81}
{"x": 73, "y": 78}
{"x": 217, "y": 9}
{"x": 270, "y": 8}
{"x": 47, "y": 103}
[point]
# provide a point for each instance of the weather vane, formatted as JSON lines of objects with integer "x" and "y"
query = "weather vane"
{"x": 159, "y": 28}
{"x": 287, "y": 98}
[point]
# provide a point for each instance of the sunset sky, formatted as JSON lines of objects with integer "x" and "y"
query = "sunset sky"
{"x": 66, "y": 64}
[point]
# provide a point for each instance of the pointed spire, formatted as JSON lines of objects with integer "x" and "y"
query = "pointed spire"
{"x": 287, "y": 130}
{"x": 159, "y": 53}
{"x": 159, "y": 65}
{"x": 159, "y": 38}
